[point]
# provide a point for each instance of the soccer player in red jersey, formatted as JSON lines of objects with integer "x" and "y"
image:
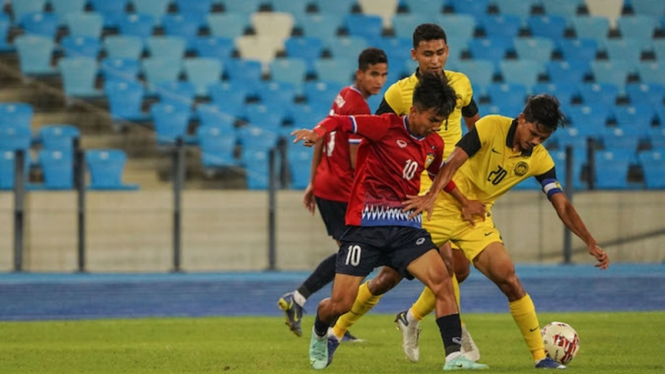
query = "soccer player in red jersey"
{"x": 395, "y": 150}
{"x": 331, "y": 177}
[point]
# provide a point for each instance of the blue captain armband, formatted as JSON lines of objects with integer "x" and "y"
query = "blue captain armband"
{"x": 551, "y": 186}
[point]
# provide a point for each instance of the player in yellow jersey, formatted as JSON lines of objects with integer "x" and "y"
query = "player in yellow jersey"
{"x": 496, "y": 155}
{"x": 431, "y": 50}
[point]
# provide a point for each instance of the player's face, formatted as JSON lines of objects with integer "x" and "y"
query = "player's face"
{"x": 529, "y": 134}
{"x": 431, "y": 55}
{"x": 424, "y": 122}
{"x": 371, "y": 81}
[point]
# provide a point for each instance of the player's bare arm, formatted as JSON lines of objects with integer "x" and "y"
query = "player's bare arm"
{"x": 572, "y": 220}
{"x": 308, "y": 198}
{"x": 470, "y": 208}
{"x": 309, "y": 137}
{"x": 426, "y": 201}
{"x": 471, "y": 121}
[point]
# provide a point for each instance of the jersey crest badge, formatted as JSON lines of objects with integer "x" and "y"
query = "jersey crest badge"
{"x": 521, "y": 169}
{"x": 429, "y": 159}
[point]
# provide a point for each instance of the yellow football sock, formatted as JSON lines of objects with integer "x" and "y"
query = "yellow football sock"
{"x": 364, "y": 302}
{"x": 524, "y": 314}
{"x": 426, "y": 302}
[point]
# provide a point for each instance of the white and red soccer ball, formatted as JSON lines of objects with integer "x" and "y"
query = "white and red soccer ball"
{"x": 561, "y": 342}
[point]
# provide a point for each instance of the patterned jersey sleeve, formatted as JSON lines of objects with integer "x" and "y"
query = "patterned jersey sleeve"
{"x": 373, "y": 128}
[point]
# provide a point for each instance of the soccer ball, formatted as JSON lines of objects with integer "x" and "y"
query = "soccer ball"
{"x": 561, "y": 342}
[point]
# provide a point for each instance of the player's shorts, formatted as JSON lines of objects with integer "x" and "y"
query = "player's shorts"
{"x": 448, "y": 225}
{"x": 334, "y": 216}
{"x": 365, "y": 248}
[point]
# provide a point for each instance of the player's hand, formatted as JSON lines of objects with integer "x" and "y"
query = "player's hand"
{"x": 310, "y": 137}
{"x": 419, "y": 203}
{"x": 600, "y": 255}
{"x": 473, "y": 208}
{"x": 308, "y": 199}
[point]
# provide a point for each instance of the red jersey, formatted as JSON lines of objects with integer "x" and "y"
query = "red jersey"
{"x": 393, "y": 160}
{"x": 334, "y": 175}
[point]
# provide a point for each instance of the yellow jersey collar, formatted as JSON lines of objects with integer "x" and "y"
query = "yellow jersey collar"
{"x": 511, "y": 138}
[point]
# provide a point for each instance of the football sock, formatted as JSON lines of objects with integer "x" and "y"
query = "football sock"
{"x": 524, "y": 314}
{"x": 320, "y": 327}
{"x": 451, "y": 334}
{"x": 425, "y": 303}
{"x": 322, "y": 275}
{"x": 365, "y": 301}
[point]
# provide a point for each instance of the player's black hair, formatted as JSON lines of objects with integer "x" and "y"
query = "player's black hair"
{"x": 544, "y": 110}
{"x": 433, "y": 91}
{"x": 427, "y": 32}
{"x": 371, "y": 56}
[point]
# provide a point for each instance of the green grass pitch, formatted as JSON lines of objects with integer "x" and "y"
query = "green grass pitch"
{"x": 610, "y": 343}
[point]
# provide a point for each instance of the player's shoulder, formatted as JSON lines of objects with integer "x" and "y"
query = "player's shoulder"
{"x": 495, "y": 120}
{"x": 405, "y": 83}
{"x": 456, "y": 78}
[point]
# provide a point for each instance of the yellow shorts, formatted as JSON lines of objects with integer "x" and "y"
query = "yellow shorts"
{"x": 448, "y": 225}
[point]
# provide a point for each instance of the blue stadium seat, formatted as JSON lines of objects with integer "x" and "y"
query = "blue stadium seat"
{"x": 610, "y": 172}
{"x": 171, "y": 122}
{"x": 7, "y": 169}
{"x": 539, "y": 49}
{"x": 15, "y": 114}
{"x": 493, "y": 49}
{"x": 348, "y": 47}
{"x": 476, "y": 8}
{"x": 202, "y": 72}
{"x": 336, "y": 70}
{"x": 648, "y": 7}
{"x": 398, "y": 50}
{"x": 63, "y": 8}
{"x": 212, "y": 116}
{"x": 591, "y": 27}
{"x": 614, "y": 72}
{"x": 308, "y": 115}
{"x": 521, "y": 71}
{"x": 297, "y": 8}
{"x": 227, "y": 25}
{"x": 599, "y": 94}
{"x": 321, "y": 91}
{"x": 120, "y": 69}
{"x": 125, "y": 100}
{"x": 563, "y": 91}
{"x": 219, "y": 48}
{"x": 324, "y": 27}
{"x": 625, "y": 49}
{"x": 403, "y": 24}
{"x": 166, "y": 47}
{"x": 15, "y": 137}
{"x": 364, "y": 25}
{"x": 217, "y": 146}
{"x": 85, "y": 24}
{"x": 288, "y": 70}
{"x": 156, "y": 8}
{"x": 23, "y": 7}
{"x": 478, "y": 71}
{"x": 653, "y": 93}
{"x": 112, "y": 11}
{"x": 266, "y": 117}
{"x": 621, "y": 139}
{"x": 652, "y": 72}
{"x": 502, "y": 109}
{"x": 456, "y": 26}
{"x": 58, "y": 168}
{"x": 230, "y": 97}
{"x": 637, "y": 26}
{"x": 5, "y": 24}
{"x": 654, "y": 176}
{"x": 578, "y": 161}
{"x": 248, "y": 72}
{"x": 78, "y": 76}
{"x": 658, "y": 46}
{"x": 660, "y": 113}
{"x": 335, "y": 7}
{"x": 549, "y": 26}
{"x": 106, "y": 167}
{"x": 565, "y": 8}
{"x": 184, "y": 26}
{"x": 80, "y": 46}
{"x": 59, "y": 137}
{"x": 256, "y": 168}
{"x": 197, "y": 8}
{"x": 423, "y": 6}
{"x": 300, "y": 162}
{"x": 656, "y": 137}
{"x": 569, "y": 71}
{"x": 158, "y": 70}
{"x": 501, "y": 26}
{"x": 578, "y": 49}
{"x": 176, "y": 93}
{"x": 137, "y": 24}
{"x": 588, "y": 119}
{"x": 244, "y": 7}
{"x": 512, "y": 94}
{"x": 256, "y": 138}
{"x": 118, "y": 46}
{"x": 44, "y": 24}
{"x": 279, "y": 93}
{"x": 307, "y": 48}
{"x": 637, "y": 116}
{"x": 520, "y": 8}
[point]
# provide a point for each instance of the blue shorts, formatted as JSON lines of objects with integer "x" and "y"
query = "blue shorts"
{"x": 365, "y": 248}
{"x": 334, "y": 216}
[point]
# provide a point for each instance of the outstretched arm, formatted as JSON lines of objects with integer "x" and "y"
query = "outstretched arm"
{"x": 572, "y": 220}
{"x": 308, "y": 197}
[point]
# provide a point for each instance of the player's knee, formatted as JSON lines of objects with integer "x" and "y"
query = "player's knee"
{"x": 512, "y": 287}
{"x": 341, "y": 305}
{"x": 462, "y": 270}
{"x": 384, "y": 282}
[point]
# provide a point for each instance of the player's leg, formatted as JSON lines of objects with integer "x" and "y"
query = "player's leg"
{"x": 461, "y": 271}
{"x": 293, "y": 303}
{"x": 369, "y": 295}
{"x": 495, "y": 262}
